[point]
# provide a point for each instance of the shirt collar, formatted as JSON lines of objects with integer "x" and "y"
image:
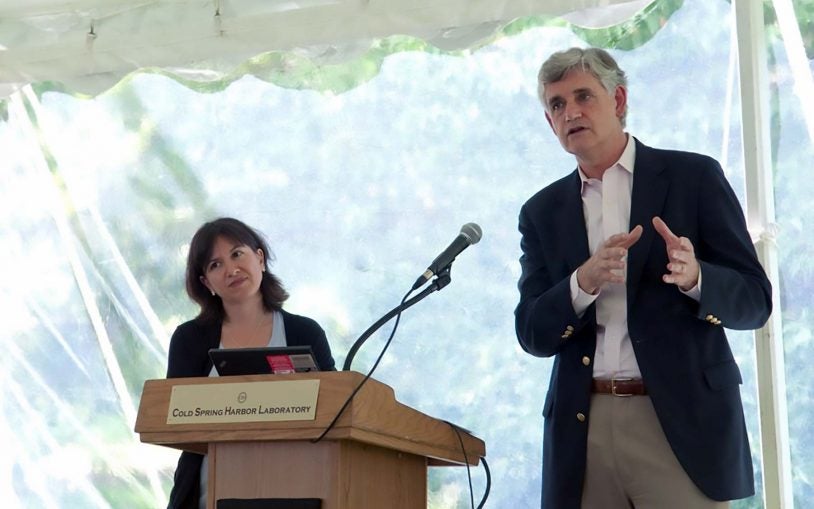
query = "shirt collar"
{"x": 626, "y": 161}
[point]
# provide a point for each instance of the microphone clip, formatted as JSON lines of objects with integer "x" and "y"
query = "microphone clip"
{"x": 443, "y": 278}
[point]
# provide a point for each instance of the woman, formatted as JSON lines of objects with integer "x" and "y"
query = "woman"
{"x": 241, "y": 306}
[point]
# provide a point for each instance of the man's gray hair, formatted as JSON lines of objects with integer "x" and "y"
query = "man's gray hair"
{"x": 593, "y": 60}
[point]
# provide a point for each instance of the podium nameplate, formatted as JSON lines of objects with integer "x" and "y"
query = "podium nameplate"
{"x": 292, "y": 400}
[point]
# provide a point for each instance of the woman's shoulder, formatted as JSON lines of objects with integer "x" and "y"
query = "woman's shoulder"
{"x": 189, "y": 347}
{"x": 301, "y": 330}
{"x": 193, "y": 331}
{"x": 298, "y": 322}
{"x": 196, "y": 325}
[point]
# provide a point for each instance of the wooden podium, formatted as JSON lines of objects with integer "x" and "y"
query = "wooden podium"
{"x": 376, "y": 456}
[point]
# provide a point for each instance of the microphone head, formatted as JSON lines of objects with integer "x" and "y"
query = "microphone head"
{"x": 471, "y": 232}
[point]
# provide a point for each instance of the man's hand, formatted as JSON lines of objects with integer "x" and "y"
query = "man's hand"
{"x": 682, "y": 265}
{"x": 608, "y": 264}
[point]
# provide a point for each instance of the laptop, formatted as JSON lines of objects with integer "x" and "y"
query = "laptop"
{"x": 264, "y": 360}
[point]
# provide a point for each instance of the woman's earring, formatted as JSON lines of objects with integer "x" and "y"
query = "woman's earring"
{"x": 213, "y": 292}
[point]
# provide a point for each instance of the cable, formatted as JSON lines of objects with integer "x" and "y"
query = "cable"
{"x": 455, "y": 428}
{"x": 441, "y": 281}
{"x": 488, "y": 483}
{"x": 367, "y": 377}
{"x": 443, "y": 278}
{"x": 466, "y": 462}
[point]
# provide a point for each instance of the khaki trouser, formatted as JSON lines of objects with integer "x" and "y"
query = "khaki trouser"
{"x": 630, "y": 464}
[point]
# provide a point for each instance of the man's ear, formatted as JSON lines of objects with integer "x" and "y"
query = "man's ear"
{"x": 620, "y": 96}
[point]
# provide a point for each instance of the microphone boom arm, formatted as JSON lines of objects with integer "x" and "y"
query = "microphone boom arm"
{"x": 441, "y": 280}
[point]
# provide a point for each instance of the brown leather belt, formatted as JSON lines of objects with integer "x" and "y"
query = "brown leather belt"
{"x": 619, "y": 386}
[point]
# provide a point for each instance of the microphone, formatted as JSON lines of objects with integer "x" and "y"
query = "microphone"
{"x": 470, "y": 234}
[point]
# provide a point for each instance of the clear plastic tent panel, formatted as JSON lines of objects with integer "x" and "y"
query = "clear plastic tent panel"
{"x": 356, "y": 193}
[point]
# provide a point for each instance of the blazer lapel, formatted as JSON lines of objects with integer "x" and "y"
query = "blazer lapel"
{"x": 647, "y": 200}
{"x": 571, "y": 224}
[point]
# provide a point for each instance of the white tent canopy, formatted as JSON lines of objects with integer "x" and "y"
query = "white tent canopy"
{"x": 89, "y": 45}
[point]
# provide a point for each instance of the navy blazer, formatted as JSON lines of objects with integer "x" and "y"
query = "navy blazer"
{"x": 189, "y": 357}
{"x": 680, "y": 345}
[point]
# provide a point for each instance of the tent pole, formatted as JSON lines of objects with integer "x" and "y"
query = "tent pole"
{"x": 760, "y": 213}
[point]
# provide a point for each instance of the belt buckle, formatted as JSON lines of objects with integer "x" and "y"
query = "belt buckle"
{"x": 613, "y": 386}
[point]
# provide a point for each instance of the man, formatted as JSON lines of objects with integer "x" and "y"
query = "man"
{"x": 633, "y": 264}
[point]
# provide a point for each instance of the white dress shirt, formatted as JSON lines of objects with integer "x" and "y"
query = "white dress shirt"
{"x": 606, "y": 206}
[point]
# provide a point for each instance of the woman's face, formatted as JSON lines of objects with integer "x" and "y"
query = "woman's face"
{"x": 234, "y": 271}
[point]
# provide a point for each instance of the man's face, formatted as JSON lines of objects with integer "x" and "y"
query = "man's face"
{"x": 583, "y": 115}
